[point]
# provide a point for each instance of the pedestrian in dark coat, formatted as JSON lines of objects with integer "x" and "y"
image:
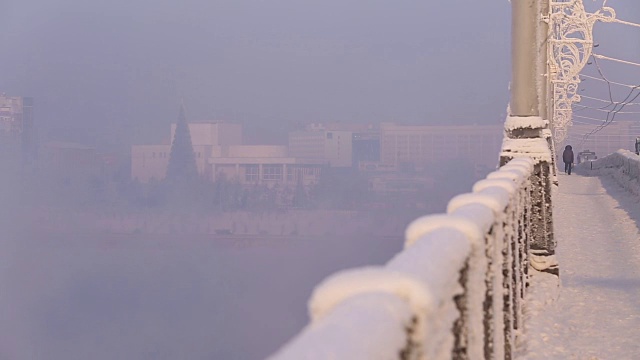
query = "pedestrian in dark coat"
{"x": 567, "y": 158}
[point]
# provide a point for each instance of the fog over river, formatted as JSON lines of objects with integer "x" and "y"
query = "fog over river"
{"x": 136, "y": 296}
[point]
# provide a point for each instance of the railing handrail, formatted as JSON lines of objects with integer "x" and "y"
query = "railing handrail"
{"x": 622, "y": 165}
{"x": 455, "y": 291}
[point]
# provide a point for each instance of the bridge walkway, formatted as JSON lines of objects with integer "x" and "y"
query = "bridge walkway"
{"x": 595, "y": 312}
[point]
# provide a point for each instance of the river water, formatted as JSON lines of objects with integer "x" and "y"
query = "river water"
{"x": 136, "y": 296}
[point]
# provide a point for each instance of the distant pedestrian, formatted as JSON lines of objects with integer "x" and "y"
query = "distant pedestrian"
{"x": 567, "y": 158}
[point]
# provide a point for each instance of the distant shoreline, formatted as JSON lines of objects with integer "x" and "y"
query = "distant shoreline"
{"x": 232, "y": 225}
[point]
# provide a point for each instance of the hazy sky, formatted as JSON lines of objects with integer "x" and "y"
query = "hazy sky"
{"x": 113, "y": 72}
{"x": 617, "y": 41}
{"x": 102, "y": 69}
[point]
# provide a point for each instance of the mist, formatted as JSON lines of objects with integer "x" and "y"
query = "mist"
{"x": 126, "y": 233}
{"x": 114, "y": 73}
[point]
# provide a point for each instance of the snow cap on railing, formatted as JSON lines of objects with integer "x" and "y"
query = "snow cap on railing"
{"x": 495, "y": 198}
{"x": 521, "y": 122}
{"x": 347, "y": 283}
{"x": 426, "y": 224}
{"x": 507, "y": 183}
{"x": 525, "y": 162}
{"x": 535, "y": 148}
{"x": 481, "y": 215}
{"x": 485, "y": 219}
{"x": 435, "y": 258}
{"x": 517, "y": 170}
{"x": 513, "y": 174}
{"x": 382, "y": 317}
{"x": 519, "y": 166}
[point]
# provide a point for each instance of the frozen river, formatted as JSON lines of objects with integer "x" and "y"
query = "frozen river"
{"x": 106, "y": 296}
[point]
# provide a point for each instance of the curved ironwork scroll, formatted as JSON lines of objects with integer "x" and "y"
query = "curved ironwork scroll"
{"x": 571, "y": 41}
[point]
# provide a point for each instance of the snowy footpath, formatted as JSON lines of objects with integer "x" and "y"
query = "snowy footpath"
{"x": 594, "y": 310}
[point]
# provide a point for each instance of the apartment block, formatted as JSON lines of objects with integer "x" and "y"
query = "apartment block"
{"x": 17, "y": 132}
{"x": 332, "y": 147}
{"x": 419, "y": 146}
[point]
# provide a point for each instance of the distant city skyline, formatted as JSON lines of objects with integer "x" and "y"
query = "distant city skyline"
{"x": 112, "y": 74}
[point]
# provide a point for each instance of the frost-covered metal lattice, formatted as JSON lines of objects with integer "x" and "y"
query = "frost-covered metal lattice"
{"x": 570, "y": 45}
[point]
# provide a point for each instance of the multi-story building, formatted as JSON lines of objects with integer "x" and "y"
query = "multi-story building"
{"x": 219, "y": 152}
{"x": 365, "y": 139}
{"x": 17, "y": 133}
{"x": 264, "y": 164}
{"x": 317, "y": 143}
{"x": 151, "y": 161}
{"x": 417, "y": 147}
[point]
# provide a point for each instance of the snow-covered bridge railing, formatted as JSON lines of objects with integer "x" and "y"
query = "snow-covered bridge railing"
{"x": 455, "y": 291}
{"x": 622, "y": 165}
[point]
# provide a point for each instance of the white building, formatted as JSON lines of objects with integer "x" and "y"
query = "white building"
{"x": 219, "y": 152}
{"x": 151, "y": 161}
{"x": 333, "y": 148}
{"x": 263, "y": 164}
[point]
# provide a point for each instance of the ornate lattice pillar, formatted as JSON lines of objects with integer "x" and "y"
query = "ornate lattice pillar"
{"x": 570, "y": 37}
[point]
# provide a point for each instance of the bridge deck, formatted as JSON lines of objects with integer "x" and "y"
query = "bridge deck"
{"x": 595, "y": 314}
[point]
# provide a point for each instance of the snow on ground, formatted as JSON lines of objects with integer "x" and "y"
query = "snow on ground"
{"x": 595, "y": 313}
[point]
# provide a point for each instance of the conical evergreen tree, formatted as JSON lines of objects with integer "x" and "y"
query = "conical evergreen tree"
{"x": 182, "y": 161}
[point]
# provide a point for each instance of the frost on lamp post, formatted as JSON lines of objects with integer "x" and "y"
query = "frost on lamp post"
{"x": 527, "y": 132}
